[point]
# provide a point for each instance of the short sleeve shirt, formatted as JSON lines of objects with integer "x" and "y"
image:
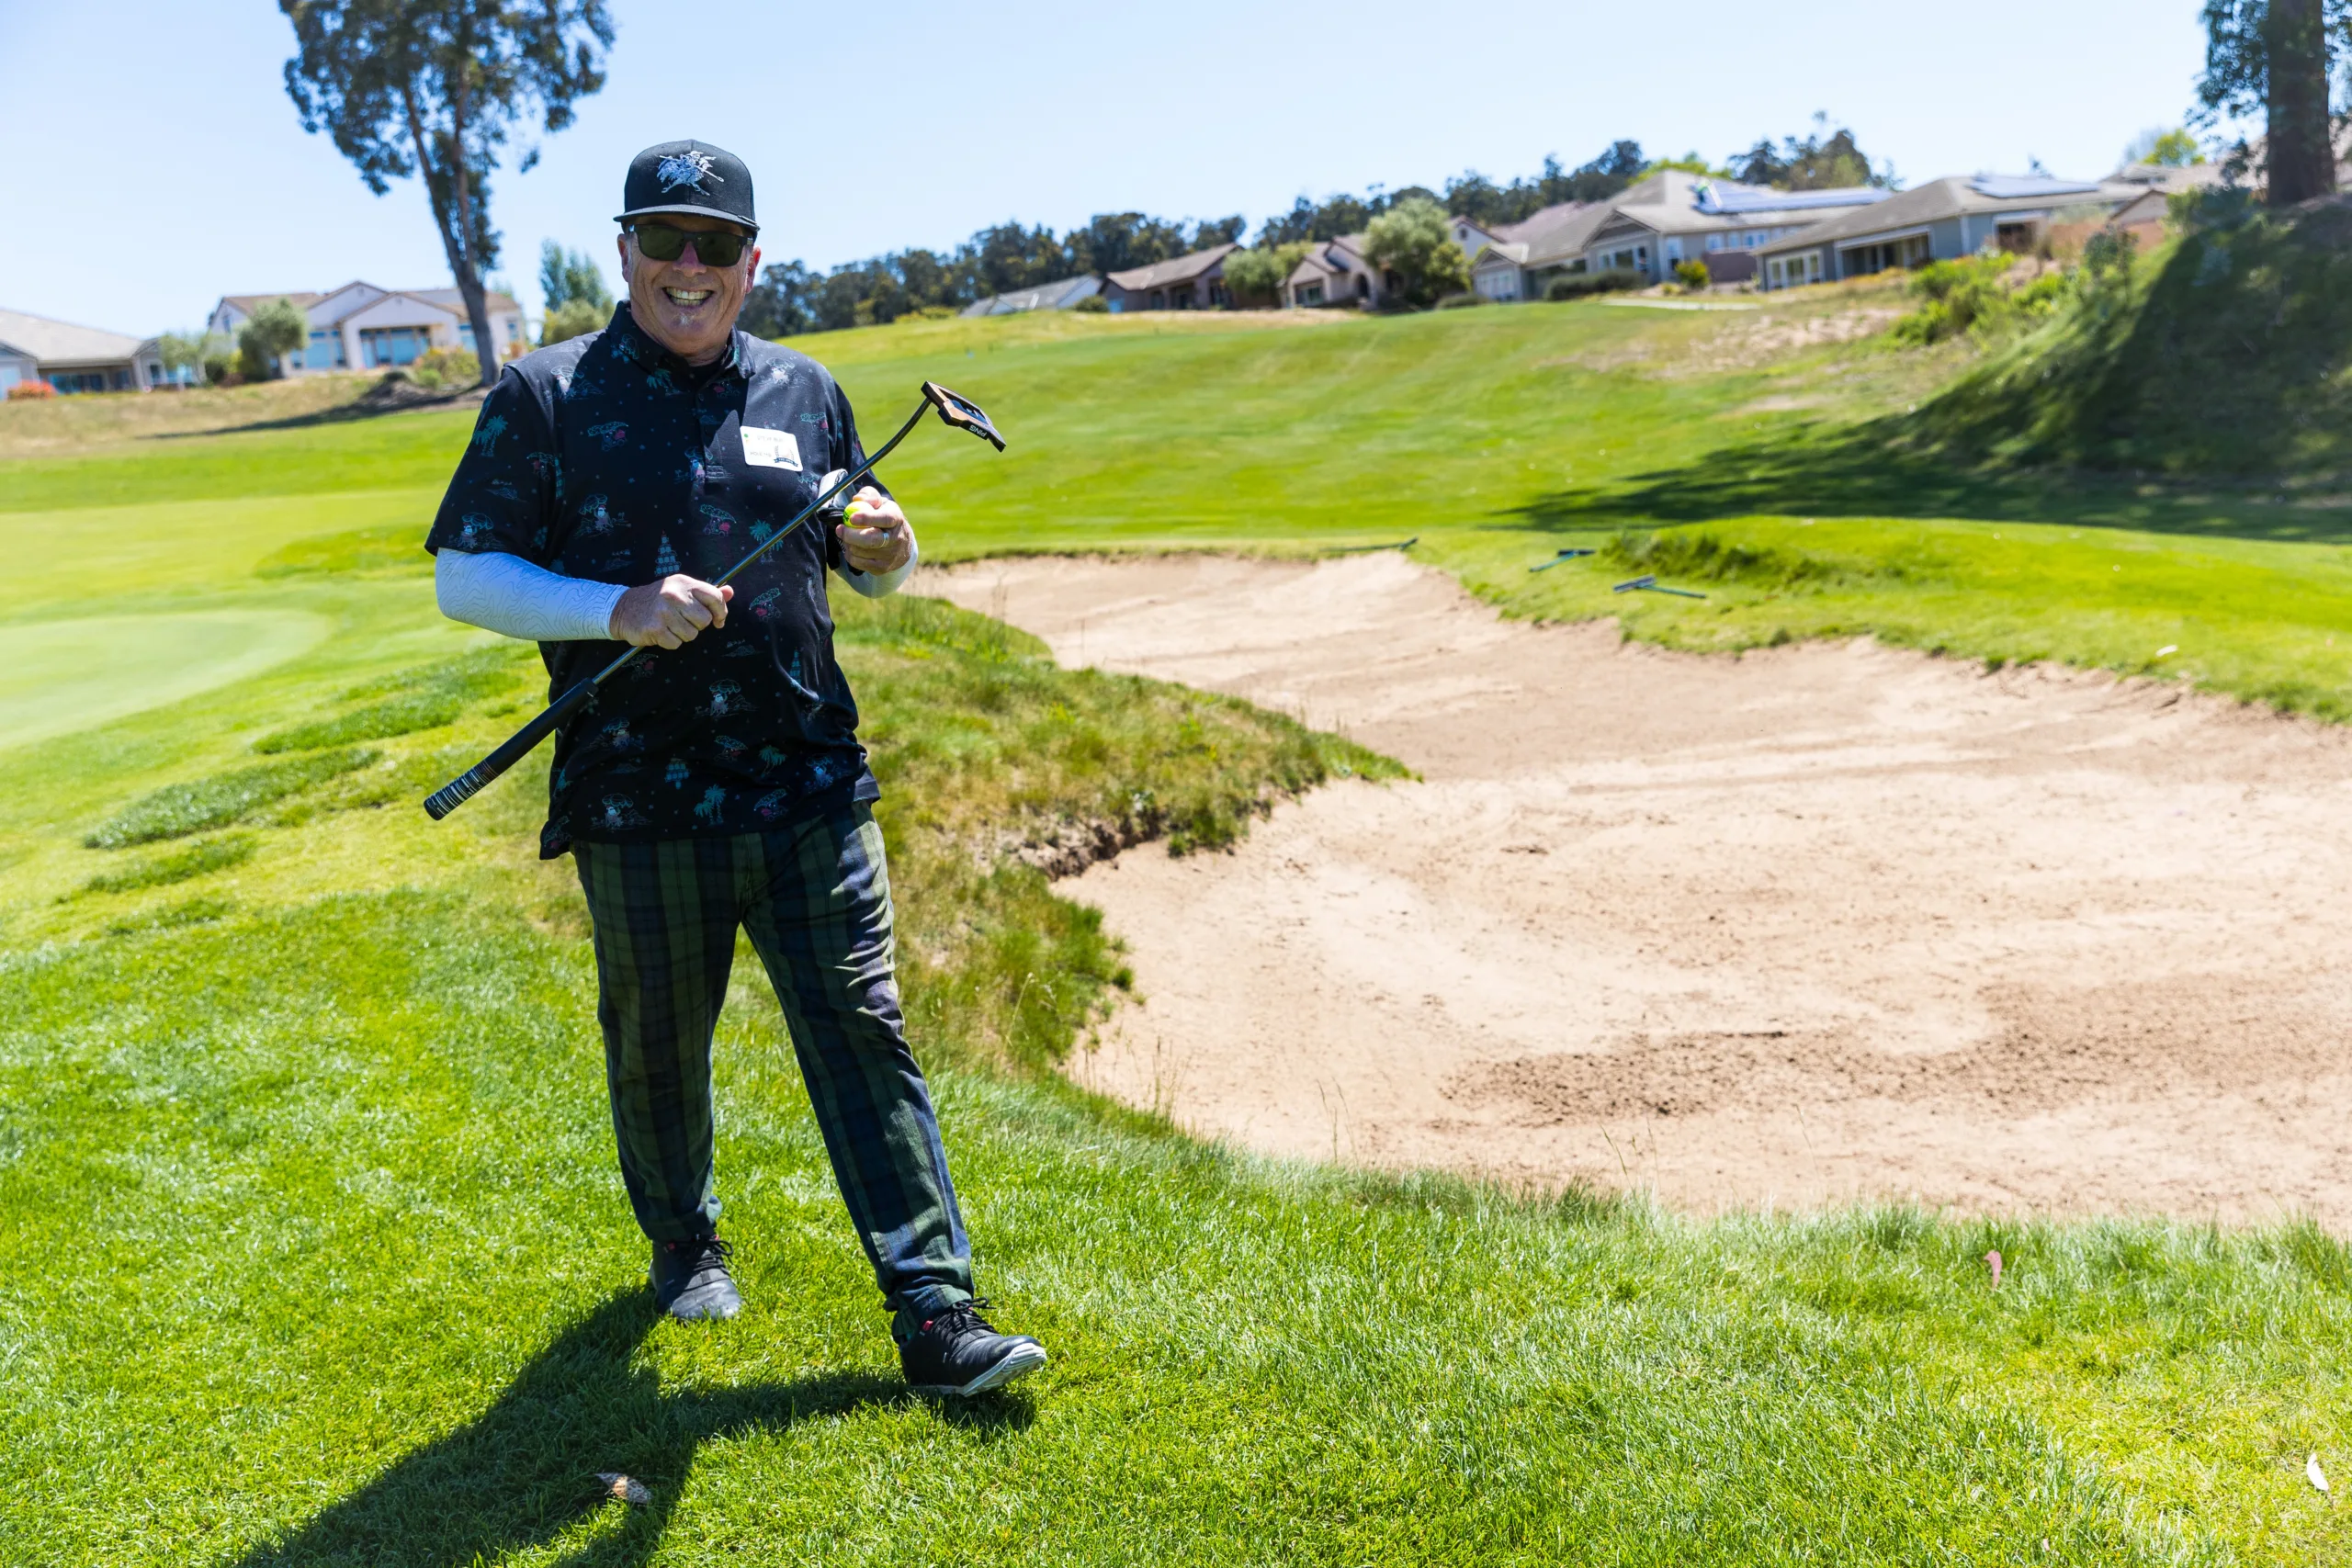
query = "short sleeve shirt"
{"x": 608, "y": 458}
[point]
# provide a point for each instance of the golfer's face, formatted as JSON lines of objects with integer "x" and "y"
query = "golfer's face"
{"x": 688, "y": 307}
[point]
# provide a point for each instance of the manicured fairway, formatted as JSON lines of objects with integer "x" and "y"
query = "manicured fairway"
{"x": 316, "y": 1251}
{"x": 58, "y": 676}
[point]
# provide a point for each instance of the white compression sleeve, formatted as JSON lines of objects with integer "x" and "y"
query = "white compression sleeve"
{"x": 882, "y": 585}
{"x": 508, "y": 595}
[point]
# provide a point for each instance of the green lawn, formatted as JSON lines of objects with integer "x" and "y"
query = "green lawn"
{"x": 317, "y": 1251}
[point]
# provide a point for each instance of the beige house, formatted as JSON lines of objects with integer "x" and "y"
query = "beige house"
{"x": 74, "y": 358}
{"x": 1653, "y": 226}
{"x": 362, "y": 327}
{"x": 1195, "y": 282}
{"x": 1521, "y": 259}
{"x": 1940, "y": 221}
{"x": 1335, "y": 272}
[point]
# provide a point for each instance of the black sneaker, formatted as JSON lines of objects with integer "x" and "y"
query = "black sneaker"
{"x": 957, "y": 1352}
{"x": 690, "y": 1279}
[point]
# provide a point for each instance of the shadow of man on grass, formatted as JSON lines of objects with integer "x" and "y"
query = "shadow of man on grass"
{"x": 525, "y": 1471}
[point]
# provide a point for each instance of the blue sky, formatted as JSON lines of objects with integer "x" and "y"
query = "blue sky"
{"x": 167, "y": 124}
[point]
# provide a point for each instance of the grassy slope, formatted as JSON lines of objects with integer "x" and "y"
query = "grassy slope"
{"x": 2224, "y": 353}
{"x": 306, "y": 1108}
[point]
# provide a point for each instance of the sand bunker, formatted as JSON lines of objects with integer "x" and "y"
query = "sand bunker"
{"x": 1815, "y": 923}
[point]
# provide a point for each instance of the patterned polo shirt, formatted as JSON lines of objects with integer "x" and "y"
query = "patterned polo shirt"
{"x": 609, "y": 457}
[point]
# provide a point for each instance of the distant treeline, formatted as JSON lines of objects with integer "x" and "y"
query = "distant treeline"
{"x": 792, "y": 297}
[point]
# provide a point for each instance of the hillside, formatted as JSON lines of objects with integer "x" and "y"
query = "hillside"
{"x": 2225, "y": 354}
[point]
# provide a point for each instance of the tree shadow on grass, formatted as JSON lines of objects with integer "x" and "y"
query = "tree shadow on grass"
{"x": 384, "y": 398}
{"x": 525, "y": 1471}
{"x": 1885, "y": 469}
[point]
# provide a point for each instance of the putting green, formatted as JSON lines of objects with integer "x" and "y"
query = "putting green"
{"x": 60, "y": 676}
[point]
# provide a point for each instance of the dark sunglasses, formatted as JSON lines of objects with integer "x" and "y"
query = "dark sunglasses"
{"x": 716, "y": 247}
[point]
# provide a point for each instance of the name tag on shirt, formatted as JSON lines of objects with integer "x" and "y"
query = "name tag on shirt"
{"x": 771, "y": 448}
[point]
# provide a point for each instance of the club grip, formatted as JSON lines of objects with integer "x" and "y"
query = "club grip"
{"x": 516, "y": 747}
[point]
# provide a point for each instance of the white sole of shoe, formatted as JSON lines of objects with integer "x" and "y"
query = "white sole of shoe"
{"x": 1018, "y": 1364}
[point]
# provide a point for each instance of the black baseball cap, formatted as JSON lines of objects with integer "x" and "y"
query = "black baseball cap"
{"x": 688, "y": 176}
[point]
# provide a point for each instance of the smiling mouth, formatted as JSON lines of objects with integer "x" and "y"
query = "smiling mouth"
{"x": 689, "y": 297}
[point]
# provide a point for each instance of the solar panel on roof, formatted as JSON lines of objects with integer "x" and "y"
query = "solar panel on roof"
{"x": 1750, "y": 199}
{"x": 2010, "y": 188}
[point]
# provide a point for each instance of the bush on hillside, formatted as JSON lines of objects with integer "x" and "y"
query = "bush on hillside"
{"x": 1461, "y": 302}
{"x": 446, "y": 368}
{"x": 1579, "y": 285}
{"x": 1256, "y": 277}
{"x": 24, "y": 391}
{"x": 276, "y": 330}
{"x": 1980, "y": 296}
{"x": 1691, "y": 274}
{"x": 1414, "y": 240}
{"x": 1094, "y": 304}
{"x": 2228, "y": 352}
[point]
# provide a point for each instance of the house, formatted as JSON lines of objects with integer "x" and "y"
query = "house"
{"x": 1195, "y": 282}
{"x": 362, "y": 327}
{"x": 1673, "y": 217}
{"x": 1057, "y": 296}
{"x": 1521, "y": 259}
{"x": 1956, "y": 216}
{"x": 1336, "y": 272}
{"x": 76, "y": 359}
{"x": 1651, "y": 227}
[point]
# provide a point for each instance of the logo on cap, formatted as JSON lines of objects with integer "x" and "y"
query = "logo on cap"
{"x": 685, "y": 169}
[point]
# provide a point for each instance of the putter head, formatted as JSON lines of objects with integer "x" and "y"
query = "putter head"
{"x": 961, "y": 412}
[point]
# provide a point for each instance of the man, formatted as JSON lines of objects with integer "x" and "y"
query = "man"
{"x": 718, "y": 782}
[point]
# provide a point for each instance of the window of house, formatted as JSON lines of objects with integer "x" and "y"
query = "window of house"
{"x": 1217, "y": 296}
{"x": 1715, "y": 242}
{"x": 379, "y": 346}
{"x": 325, "y": 350}
{"x": 1310, "y": 293}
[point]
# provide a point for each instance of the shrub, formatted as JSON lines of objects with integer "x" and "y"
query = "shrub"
{"x": 1461, "y": 302}
{"x": 1094, "y": 304}
{"x": 1414, "y": 240}
{"x": 446, "y": 368}
{"x": 1692, "y": 273}
{"x": 573, "y": 318}
{"x": 275, "y": 331}
{"x": 1577, "y": 285}
{"x": 1256, "y": 277}
{"x": 1977, "y": 296}
{"x": 23, "y": 392}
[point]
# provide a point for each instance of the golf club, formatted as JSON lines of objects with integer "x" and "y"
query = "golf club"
{"x": 1650, "y": 584}
{"x": 954, "y": 410}
{"x": 1564, "y": 555}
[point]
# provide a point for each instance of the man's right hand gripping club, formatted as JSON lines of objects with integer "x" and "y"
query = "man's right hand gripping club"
{"x": 669, "y": 613}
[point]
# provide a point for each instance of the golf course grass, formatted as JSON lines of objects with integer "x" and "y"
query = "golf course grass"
{"x": 318, "y": 1254}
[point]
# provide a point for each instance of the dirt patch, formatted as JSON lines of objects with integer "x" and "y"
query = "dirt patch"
{"x": 1811, "y": 924}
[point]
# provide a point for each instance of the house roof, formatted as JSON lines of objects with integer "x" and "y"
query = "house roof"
{"x": 1176, "y": 269}
{"x": 1673, "y": 201}
{"x": 1953, "y": 197}
{"x": 302, "y": 298}
{"x": 1058, "y": 295}
{"x": 448, "y": 299}
{"x": 1557, "y": 233}
{"x": 51, "y": 342}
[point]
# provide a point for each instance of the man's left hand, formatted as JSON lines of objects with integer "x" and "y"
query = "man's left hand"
{"x": 876, "y": 537}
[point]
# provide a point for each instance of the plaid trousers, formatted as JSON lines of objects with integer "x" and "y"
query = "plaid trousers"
{"x": 815, "y": 898}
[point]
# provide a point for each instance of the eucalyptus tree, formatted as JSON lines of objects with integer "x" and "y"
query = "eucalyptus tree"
{"x": 434, "y": 88}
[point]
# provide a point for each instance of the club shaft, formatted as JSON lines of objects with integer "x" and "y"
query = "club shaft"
{"x": 524, "y": 741}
